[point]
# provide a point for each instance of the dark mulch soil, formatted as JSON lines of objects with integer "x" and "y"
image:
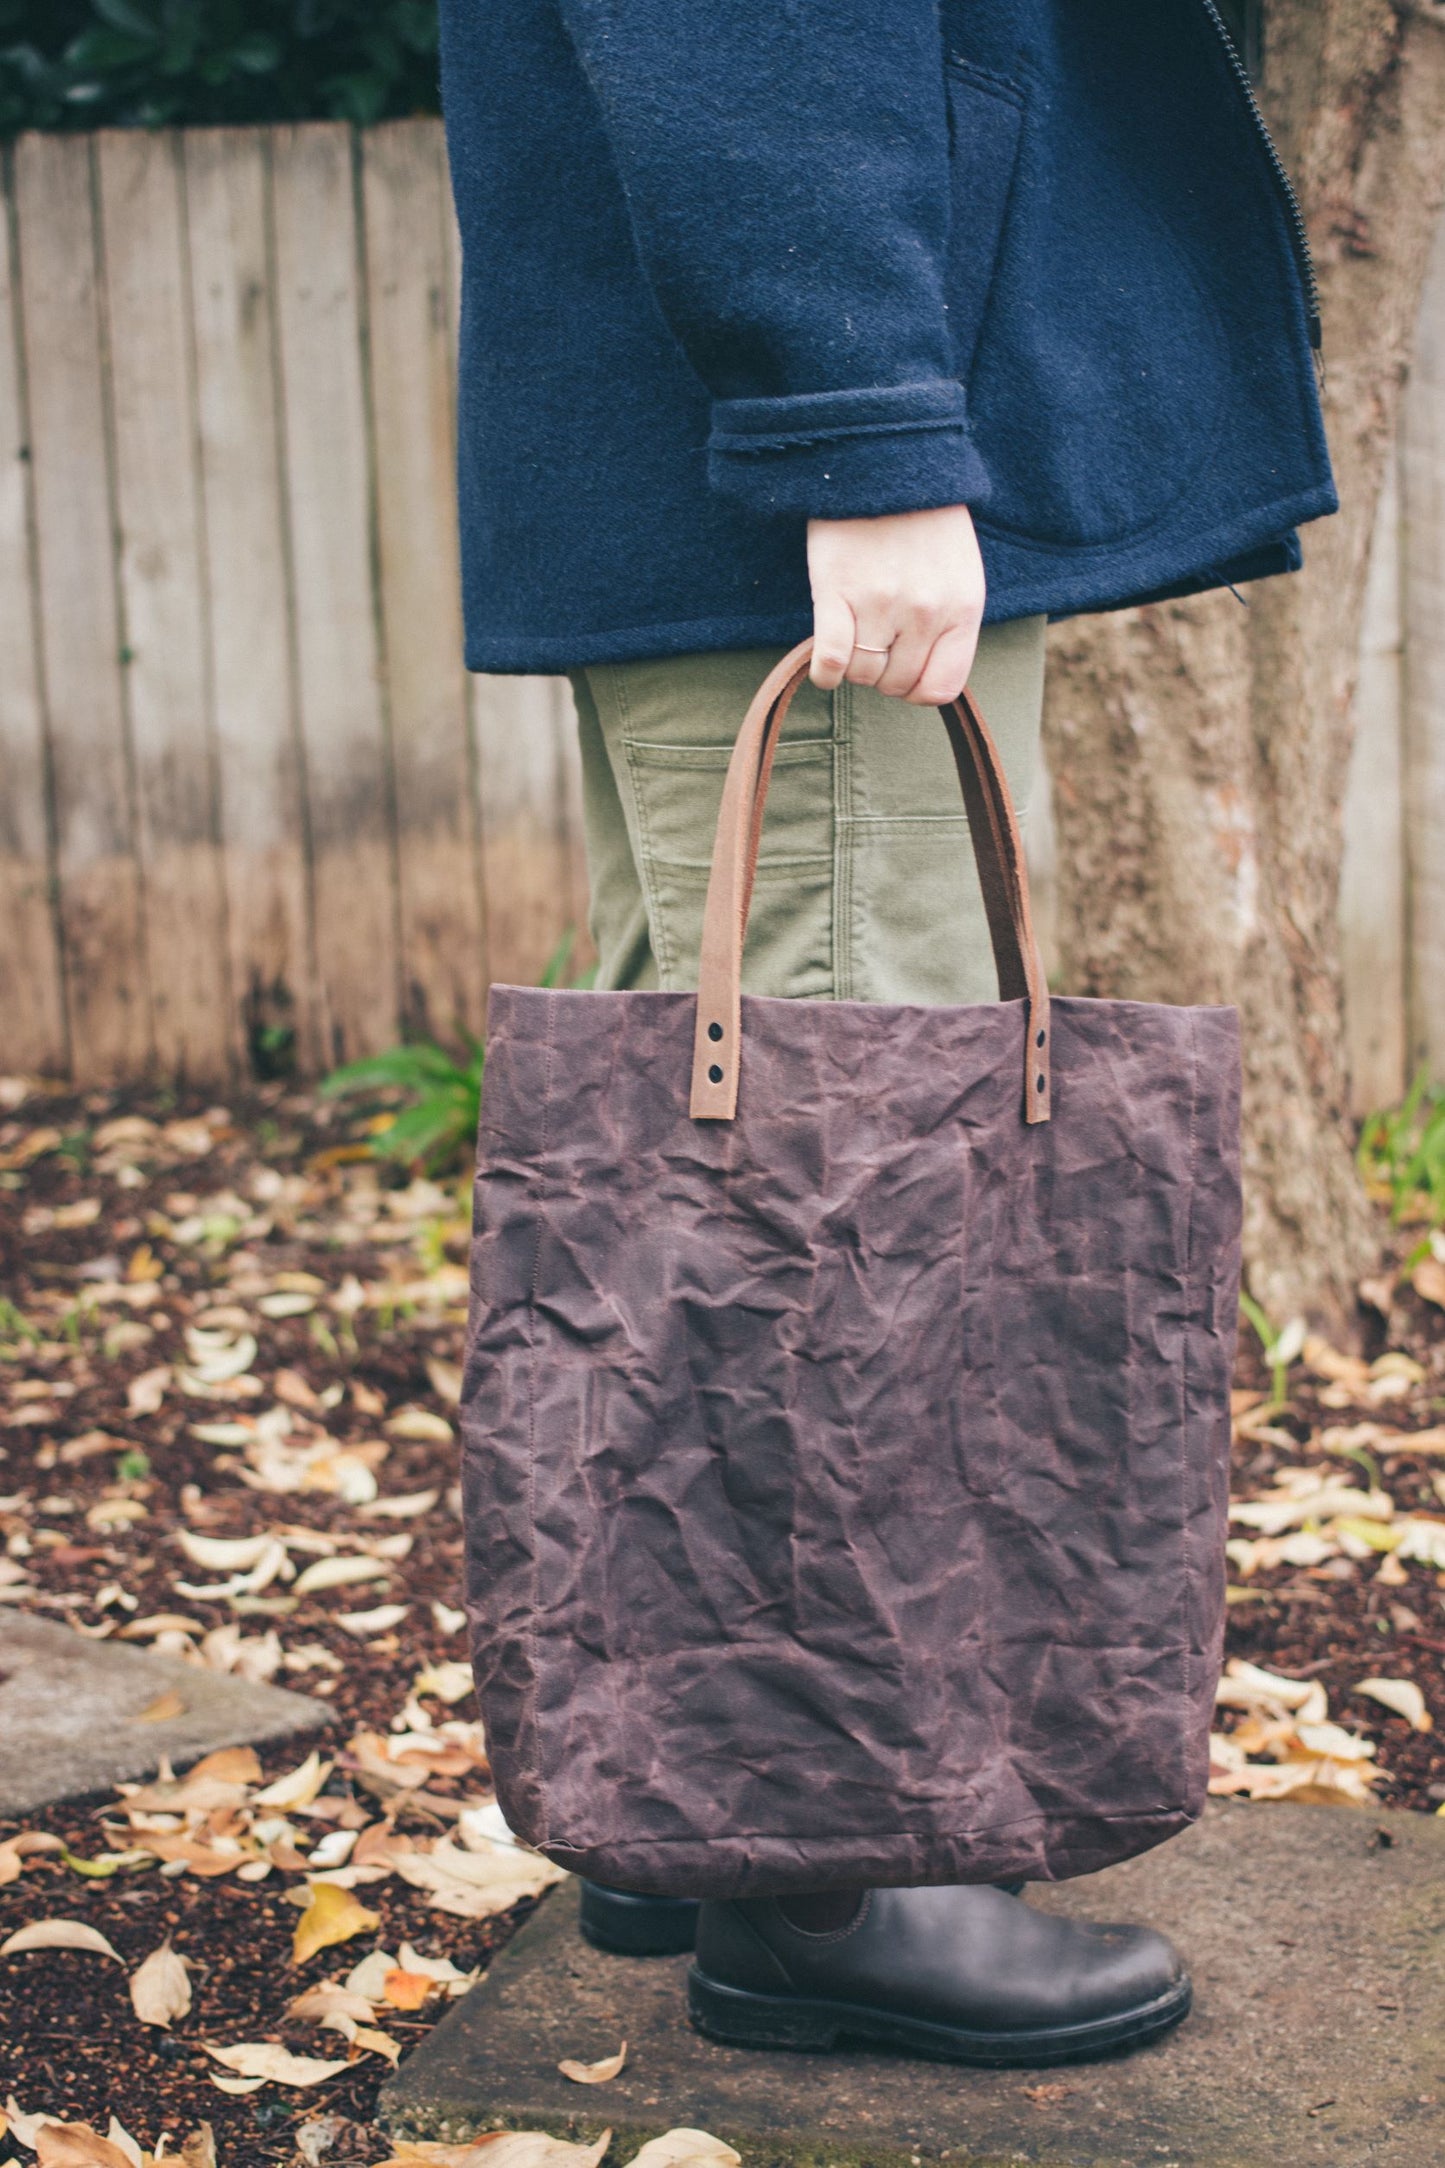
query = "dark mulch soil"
{"x": 195, "y": 1225}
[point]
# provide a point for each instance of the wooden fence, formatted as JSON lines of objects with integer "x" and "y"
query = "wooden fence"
{"x": 251, "y": 807}
{"x": 249, "y": 795}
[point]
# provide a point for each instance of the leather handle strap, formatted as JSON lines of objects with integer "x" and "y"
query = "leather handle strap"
{"x": 1003, "y": 876}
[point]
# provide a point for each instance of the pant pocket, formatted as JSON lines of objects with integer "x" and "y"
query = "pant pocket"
{"x": 677, "y": 790}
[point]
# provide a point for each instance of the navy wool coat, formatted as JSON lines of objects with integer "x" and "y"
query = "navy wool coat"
{"x": 732, "y": 264}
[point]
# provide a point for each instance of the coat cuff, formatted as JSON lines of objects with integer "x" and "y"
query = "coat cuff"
{"x": 847, "y": 454}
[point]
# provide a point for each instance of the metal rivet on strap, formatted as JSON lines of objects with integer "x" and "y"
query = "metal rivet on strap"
{"x": 714, "y": 1031}
{"x": 714, "y": 1075}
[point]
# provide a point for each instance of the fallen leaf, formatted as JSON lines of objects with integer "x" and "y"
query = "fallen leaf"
{"x": 1402, "y": 1696}
{"x": 597, "y": 2073}
{"x": 267, "y": 2063}
{"x": 685, "y": 2149}
{"x": 364, "y": 1624}
{"x": 222, "y": 1554}
{"x": 328, "y": 1999}
{"x": 58, "y": 1935}
{"x": 332, "y": 1915}
{"x": 26, "y": 2128}
{"x": 160, "y": 1989}
{"x": 144, "y": 1394}
{"x": 117, "y": 2133}
{"x": 325, "y": 1573}
{"x": 445, "y": 1379}
{"x": 408, "y": 1990}
{"x": 298, "y": 1788}
{"x": 1428, "y": 1281}
{"x": 420, "y": 1426}
{"x": 451, "y": 1682}
{"x": 237, "y": 2087}
{"x": 403, "y": 1508}
{"x": 76, "y": 2145}
{"x": 507, "y": 2149}
{"x": 163, "y": 1710}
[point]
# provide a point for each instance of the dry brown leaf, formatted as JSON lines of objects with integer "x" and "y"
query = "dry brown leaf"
{"x": 144, "y": 1394}
{"x": 198, "y": 2148}
{"x": 343, "y": 1572}
{"x": 224, "y": 1856}
{"x": 265, "y": 2061}
{"x": 445, "y": 1379}
{"x": 408, "y": 1990}
{"x": 160, "y": 1989}
{"x": 332, "y": 1915}
{"x": 76, "y": 2145}
{"x": 1403, "y": 1697}
{"x": 25, "y": 2127}
{"x": 420, "y": 1426}
{"x": 58, "y": 1935}
{"x": 218, "y": 1780}
{"x": 405, "y": 1507}
{"x": 374, "y": 2042}
{"x": 119, "y": 2135}
{"x": 237, "y": 2087}
{"x": 299, "y": 1787}
{"x": 502, "y": 2149}
{"x": 329, "y": 1999}
{"x": 685, "y": 2148}
{"x": 1428, "y": 1281}
{"x": 598, "y": 2073}
{"x": 364, "y": 1625}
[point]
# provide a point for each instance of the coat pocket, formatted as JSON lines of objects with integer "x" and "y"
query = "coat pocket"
{"x": 985, "y": 121}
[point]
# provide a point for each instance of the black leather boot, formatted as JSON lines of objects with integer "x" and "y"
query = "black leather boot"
{"x": 969, "y": 1975}
{"x": 613, "y": 1919}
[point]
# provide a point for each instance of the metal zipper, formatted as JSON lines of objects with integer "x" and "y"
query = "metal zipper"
{"x": 1299, "y": 233}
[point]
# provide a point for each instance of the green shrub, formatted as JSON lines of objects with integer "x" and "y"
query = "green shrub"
{"x": 154, "y": 63}
{"x": 442, "y": 1093}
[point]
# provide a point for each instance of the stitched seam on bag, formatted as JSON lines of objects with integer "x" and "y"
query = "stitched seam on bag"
{"x": 1190, "y": 1570}
{"x": 930, "y": 1834}
{"x": 533, "y": 1762}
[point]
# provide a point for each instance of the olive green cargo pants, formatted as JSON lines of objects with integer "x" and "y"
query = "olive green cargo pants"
{"x": 866, "y": 888}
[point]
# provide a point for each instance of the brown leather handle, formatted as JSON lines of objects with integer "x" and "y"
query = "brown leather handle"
{"x": 1003, "y": 876}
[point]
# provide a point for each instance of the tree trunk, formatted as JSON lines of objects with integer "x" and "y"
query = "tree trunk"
{"x": 1199, "y": 750}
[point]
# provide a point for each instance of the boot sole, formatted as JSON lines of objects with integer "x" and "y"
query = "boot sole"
{"x": 737, "y": 2018}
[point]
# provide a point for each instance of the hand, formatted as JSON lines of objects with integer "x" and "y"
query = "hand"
{"x": 909, "y": 585}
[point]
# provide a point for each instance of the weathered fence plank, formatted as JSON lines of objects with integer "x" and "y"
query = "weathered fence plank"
{"x": 166, "y": 683}
{"x": 32, "y": 1000}
{"x": 408, "y": 280}
{"x": 1423, "y": 492}
{"x": 329, "y": 504}
{"x": 261, "y": 782}
{"x": 525, "y": 732}
{"x": 101, "y": 903}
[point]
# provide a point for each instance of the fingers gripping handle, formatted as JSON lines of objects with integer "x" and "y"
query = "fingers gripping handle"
{"x": 1003, "y": 876}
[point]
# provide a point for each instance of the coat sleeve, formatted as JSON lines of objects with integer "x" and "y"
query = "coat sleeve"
{"x": 786, "y": 167}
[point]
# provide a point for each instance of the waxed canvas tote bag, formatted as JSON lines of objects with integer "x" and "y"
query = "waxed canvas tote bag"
{"x": 845, "y": 1412}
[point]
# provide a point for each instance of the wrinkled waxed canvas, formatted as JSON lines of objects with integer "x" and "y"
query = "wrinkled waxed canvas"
{"x": 845, "y": 1485}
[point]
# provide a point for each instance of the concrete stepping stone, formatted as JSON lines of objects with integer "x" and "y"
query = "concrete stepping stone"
{"x": 1316, "y": 1936}
{"x": 71, "y": 1718}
